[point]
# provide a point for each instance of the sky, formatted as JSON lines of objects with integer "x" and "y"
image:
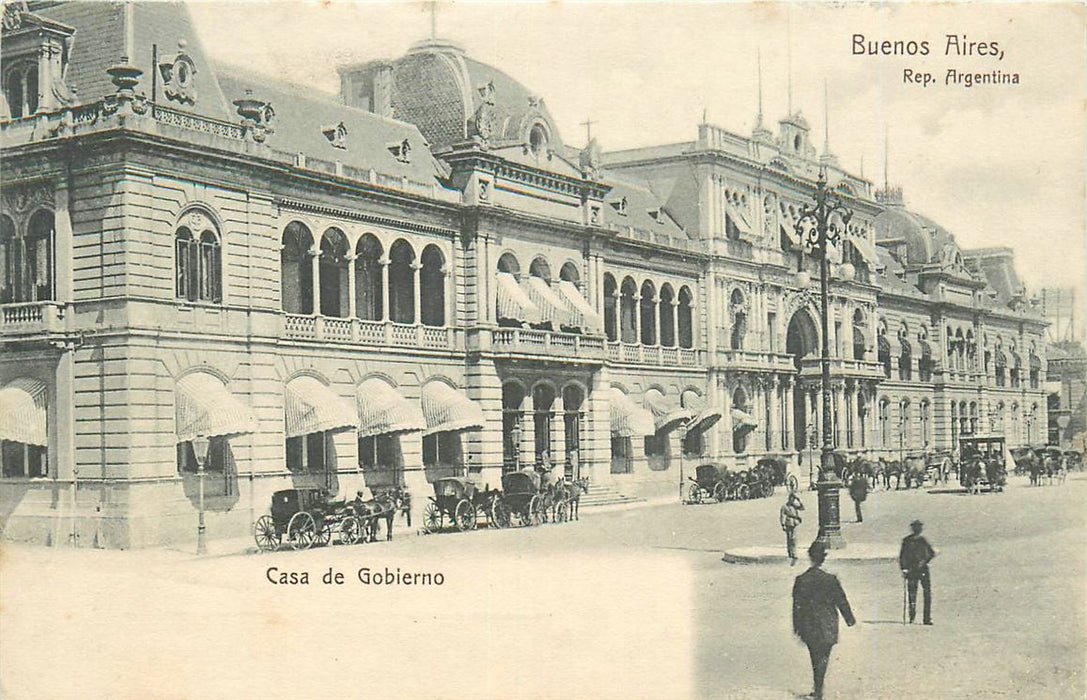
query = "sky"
{"x": 996, "y": 165}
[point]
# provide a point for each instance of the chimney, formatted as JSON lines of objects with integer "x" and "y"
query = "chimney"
{"x": 368, "y": 86}
{"x": 381, "y": 102}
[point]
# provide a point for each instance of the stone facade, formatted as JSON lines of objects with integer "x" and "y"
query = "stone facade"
{"x": 299, "y": 250}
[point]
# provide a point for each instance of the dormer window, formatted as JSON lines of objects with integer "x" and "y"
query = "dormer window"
{"x": 21, "y": 89}
{"x": 796, "y": 143}
{"x": 657, "y": 215}
{"x": 401, "y": 151}
{"x": 336, "y": 135}
{"x": 620, "y": 206}
{"x": 537, "y": 140}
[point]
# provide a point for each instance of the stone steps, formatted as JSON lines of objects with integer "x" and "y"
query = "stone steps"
{"x": 605, "y": 495}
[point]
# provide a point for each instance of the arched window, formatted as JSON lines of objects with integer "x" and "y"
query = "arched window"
{"x": 1015, "y": 437}
{"x": 543, "y": 413}
{"x": 954, "y": 424}
{"x": 1016, "y": 370}
{"x": 38, "y": 257}
{"x": 739, "y": 320}
{"x": 960, "y": 351}
{"x": 432, "y": 287}
{"x": 569, "y": 273}
{"x": 1001, "y": 418}
{"x": 685, "y": 321}
{"x": 858, "y": 335}
{"x": 537, "y": 140}
{"x": 904, "y": 426}
{"x": 1001, "y": 362}
{"x": 540, "y": 268}
{"x": 964, "y": 419}
{"x": 296, "y": 270}
{"x": 862, "y": 417}
{"x": 402, "y": 282}
{"x": 926, "y": 424}
{"x": 21, "y": 89}
{"x": 627, "y": 310}
{"x": 1035, "y": 367}
{"x": 973, "y": 417}
{"x": 971, "y": 350}
{"x": 611, "y": 293}
{"x": 573, "y": 400}
{"x": 884, "y": 352}
{"x": 369, "y": 279}
{"x": 10, "y": 260}
{"x": 905, "y": 355}
{"x": 198, "y": 264}
{"x": 925, "y": 365}
{"x": 333, "y": 272}
{"x": 667, "y": 315}
{"x": 648, "y": 310}
{"x": 513, "y": 397}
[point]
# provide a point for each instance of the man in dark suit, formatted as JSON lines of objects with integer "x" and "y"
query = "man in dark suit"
{"x": 913, "y": 559}
{"x": 817, "y": 599}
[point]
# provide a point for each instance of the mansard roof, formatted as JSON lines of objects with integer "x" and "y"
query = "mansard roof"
{"x": 306, "y": 121}
{"x": 106, "y": 33}
{"x": 925, "y": 240}
{"x": 631, "y": 204}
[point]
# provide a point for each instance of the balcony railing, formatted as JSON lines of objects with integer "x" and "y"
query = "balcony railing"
{"x": 840, "y": 367}
{"x": 523, "y": 341}
{"x": 360, "y": 332}
{"x": 31, "y": 318}
{"x": 632, "y": 353}
{"x": 755, "y": 361}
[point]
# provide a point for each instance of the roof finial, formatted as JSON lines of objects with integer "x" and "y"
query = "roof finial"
{"x": 862, "y": 166}
{"x": 758, "y": 123}
{"x": 886, "y": 158}
{"x": 789, "y": 60}
{"x": 588, "y": 124}
{"x": 433, "y": 6}
{"x": 826, "y": 119}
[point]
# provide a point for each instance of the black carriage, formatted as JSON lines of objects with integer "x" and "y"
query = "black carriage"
{"x": 981, "y": 462}
{"x": 708, "y": 482}
{"x": 458, "y": 501}
{"x": 519, "y": 499}
{"x": 303, "y": 518}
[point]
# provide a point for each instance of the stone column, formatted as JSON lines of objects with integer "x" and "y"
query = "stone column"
{"x": 840, "y": 426}
{"x": 675, "y": 322}
{"x": 387, "y": 288}
{"x": 315, "y": 267}
{"x": 656, "y": 320}
{"x": 637, "y": 318}
{"x": 352, "y": 311}
{"x": 775, "y": 413}
{"x": 790, "y": 411}
{"x": 450, "y": 293}
{"x": 416, "y": 285}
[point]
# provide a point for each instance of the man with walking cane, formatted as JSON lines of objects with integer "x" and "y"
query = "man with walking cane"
{"x": 913, "y": 560}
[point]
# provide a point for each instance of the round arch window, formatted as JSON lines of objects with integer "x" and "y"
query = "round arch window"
{"x": 537, "y": 139}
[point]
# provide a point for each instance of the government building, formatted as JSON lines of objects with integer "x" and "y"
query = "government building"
{"x": 420, "y": 277}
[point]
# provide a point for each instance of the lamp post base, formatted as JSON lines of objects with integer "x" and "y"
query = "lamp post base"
{"x": 830, "y": 523}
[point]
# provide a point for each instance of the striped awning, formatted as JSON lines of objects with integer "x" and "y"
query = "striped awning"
{"x": 205, "y": 406}
{"x": 738, "y": 217}
{"x": 705, "y": 417}
{"x": 552, "y": 307}
{"x": 513, "y": 303}
{"x": 311, "y": 407}
{"x": 584, "y": 314}
{"x": 742, "y": 420}
{"x": 628, "y": 419}
{"x": 667, "y": 415}
{"x": 382, "y": 410}
{"x": 867, "y": 251}
{"x": 23, "y": 411}
{"x": 446, "y": 410}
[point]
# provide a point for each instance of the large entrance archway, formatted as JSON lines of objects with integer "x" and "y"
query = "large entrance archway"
{"x": 801, "y": 340}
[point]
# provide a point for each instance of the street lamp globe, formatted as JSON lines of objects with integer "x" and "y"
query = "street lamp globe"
{"x": 848, "y": 272}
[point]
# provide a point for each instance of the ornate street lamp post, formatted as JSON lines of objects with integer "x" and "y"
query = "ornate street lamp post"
{"x": 200, "y": 451}
{"x": 819, "y": 226}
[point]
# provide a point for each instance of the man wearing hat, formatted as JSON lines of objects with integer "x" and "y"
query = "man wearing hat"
{"x": 913, "y": 559}
{"x": 817, "y": 599}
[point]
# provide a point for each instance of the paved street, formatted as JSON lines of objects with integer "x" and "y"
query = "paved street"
{"x": 632, "y": 602}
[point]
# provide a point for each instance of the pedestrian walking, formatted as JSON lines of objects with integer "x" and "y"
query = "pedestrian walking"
{"x": 913, "y": 559}
{"x": 858, "y": 491}
{"x": 818, "y": 597}
{"x": 790, "y": 519}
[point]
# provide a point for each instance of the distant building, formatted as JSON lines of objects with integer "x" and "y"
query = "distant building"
{"x": 423, "y": 278}
{"x": 1067, "y": 387}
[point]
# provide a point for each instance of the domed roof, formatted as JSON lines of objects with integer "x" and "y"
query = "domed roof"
{"x": 926, "y": 241}
{"x": 451, "y": 97}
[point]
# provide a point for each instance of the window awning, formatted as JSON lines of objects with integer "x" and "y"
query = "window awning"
{"x": 705, "y": 417}
{"x": 383, "y": 410}
{"x": 446, "y": 410}
{"x": 311, "y": 407}
{"x": 552, "y": 307}
{"x": 205, "y": 406}
{"x": 738, "y": 217}
{"x": 513, "y": 303}
{"x": 742, "y": 420}
{"x": 584, "y": 314}
{"x": 867, "y": 251}
{"x": 23, "y": 411}
{"x": 628, "y": 419}
{"x": 667, "y": 415}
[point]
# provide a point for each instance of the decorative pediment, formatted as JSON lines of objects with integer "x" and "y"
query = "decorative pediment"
{"x": 336, "y": 135}
{"x": 179, "y": 76}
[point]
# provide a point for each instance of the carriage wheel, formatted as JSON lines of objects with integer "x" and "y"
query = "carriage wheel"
{"x": 432, "y": 517}
{"x": 535, "y": 511}
{"x": 719, "y": 491}
{"x": 350, "y": 530}
{"x": 264, "y": 532}
{"x": 465, "y": 516}
{"x": 769, "y": 490}
{"x": 793, "y": 483}
{"x": 562, "y": 512}
{"x": 323, "y": 535}
{"x": 694, "y": 493}
{"x": 500, "y": 514}
{"x": 743, "y": 493}
{"x": 301, "y": 531}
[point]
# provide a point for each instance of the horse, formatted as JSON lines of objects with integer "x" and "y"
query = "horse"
{"x": 1026, "y": 460}
{"x": 995, "y": 474}
{"x": 571, "y": 493}
{"x": 1054, "y": 467}
{"x": 940, "y": 466}
{"x": 1037, "y": 468}
{"x": 383, "y": 505}
{"x": 872, "y": 471}
{"x": 971, "y": 471}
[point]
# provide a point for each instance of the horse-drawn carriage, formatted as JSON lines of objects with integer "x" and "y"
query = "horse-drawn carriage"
{"x": 721, "y": 484}
{"x": 521, "y": 499}
{"x": 458, "y": 501}
{"x": 982, "y": 464}
{"x": 307, "y": 517}
{"x": 708, "y": 482}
